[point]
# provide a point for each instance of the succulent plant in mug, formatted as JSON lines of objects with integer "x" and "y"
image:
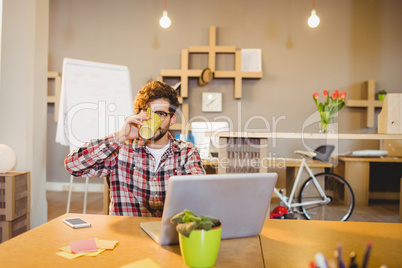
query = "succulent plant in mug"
{"x": 187, "y": 221}
{"x": 202, "y": 247}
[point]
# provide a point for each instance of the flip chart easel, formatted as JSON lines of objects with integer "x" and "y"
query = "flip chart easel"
{"x": 95, "y": 98}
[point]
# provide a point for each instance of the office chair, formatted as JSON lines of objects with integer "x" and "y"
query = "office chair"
{"x": 323, "y": 152}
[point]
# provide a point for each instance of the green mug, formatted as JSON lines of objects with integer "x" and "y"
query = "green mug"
{"x": 150, "y": 126}
{"x": 201, "y": 248}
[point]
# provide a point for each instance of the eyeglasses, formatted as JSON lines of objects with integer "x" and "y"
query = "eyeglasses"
{"x": 161, "y": 114}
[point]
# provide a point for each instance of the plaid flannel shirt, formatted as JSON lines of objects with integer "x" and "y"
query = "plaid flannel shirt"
{"x": 136, "y": 189}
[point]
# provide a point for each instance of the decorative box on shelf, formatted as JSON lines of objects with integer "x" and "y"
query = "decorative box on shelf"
{"x": 14, "y": 203}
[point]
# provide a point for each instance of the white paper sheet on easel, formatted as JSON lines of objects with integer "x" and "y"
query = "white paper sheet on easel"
{"x": 251, "y": 60}
{"x": 95, "y": 98}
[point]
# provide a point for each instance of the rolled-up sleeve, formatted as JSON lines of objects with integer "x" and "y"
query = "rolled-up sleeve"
{"x": 95, "y": 158}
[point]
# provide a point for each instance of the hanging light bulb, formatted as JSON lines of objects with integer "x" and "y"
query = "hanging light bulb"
{"x": 165, "y": 21}
{"x": 314, "y": 20}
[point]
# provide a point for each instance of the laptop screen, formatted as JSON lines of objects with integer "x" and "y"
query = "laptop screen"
{"x": 239, "y": 201}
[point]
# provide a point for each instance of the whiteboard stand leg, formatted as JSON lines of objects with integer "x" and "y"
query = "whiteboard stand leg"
{"x": 85, "y": 195}
{"x": 69, "y": 193}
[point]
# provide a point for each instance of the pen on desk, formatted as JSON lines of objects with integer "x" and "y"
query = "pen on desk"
{"x": 366, "y": 255}
{"x": 353, "y": 263}
{"x": 341, "y": 264}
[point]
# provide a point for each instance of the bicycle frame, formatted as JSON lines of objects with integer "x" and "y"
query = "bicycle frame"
{"x": 289, "y": 203}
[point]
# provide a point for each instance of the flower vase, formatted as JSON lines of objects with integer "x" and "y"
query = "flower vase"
{"x": 328, "y": 109}
{"x": 323, "y": 127}
{"x": 327, "y": 127}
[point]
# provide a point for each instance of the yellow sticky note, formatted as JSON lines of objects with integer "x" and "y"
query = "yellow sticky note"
{"x": 94, "y": 254}
{"x": 66, "y": 249}
{"x": 106, "y": 244}
{"x": 145, "y": 263}
{"x": 70, "y": 255}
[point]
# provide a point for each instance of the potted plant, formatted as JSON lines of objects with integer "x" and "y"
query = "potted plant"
{"x": 199, "y": 238}
{"x": 381, "y": 94}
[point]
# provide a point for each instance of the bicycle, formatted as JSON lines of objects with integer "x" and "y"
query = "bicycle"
{"x": 323, "y": 196}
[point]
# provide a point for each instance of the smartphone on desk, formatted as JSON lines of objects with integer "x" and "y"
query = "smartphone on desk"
{"x": 76, "y": 222}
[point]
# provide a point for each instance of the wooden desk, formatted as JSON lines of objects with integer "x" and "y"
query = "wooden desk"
{"x": 282, "y": 243}
{"x": 38, "y": 247}
{"x": 292, "y": 243}
{"x": 291, "y": 165}
{"x": 305, "y": 135}
{"x": 357, "y": 172}
{"x": 316, "y": 136}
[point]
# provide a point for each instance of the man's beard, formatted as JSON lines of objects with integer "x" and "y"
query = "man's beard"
{"x": 162, "y": 132}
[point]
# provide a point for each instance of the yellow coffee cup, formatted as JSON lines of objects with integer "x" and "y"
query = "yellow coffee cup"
{"x": 150, "y": 126}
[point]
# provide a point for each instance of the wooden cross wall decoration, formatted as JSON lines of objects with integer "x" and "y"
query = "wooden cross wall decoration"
{"x": 212, "y": 49}
{"x": 184, "y": 73}
{"x": 238, "y": 75}
{"x": 370, "y": 104}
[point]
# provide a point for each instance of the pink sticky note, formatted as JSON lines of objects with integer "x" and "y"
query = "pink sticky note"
{"x": 83, "y": 246}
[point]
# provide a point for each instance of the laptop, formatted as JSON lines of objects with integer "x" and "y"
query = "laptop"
{"x": 239, "y": 201}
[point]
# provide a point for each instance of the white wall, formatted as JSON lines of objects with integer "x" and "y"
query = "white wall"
{"x": 357, "y": 40}
{"x": 24, "y": 51}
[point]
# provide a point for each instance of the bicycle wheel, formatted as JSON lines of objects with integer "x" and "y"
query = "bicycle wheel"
{"x": 341, "y": 203}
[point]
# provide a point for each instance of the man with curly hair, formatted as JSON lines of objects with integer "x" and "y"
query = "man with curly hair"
{"x": 138, "y": 169}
